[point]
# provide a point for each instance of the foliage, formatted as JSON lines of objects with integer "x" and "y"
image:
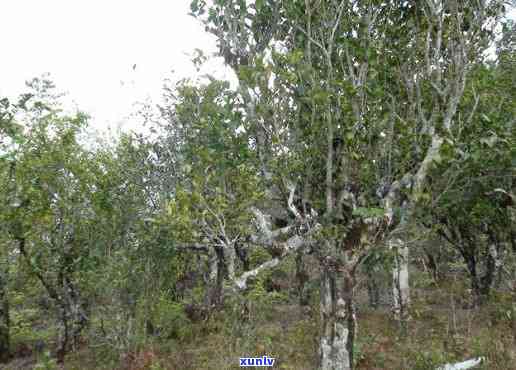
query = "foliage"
{"x": 350, "y": 124}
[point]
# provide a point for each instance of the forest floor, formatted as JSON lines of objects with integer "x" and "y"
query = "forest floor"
{"x": 441, "y": 330}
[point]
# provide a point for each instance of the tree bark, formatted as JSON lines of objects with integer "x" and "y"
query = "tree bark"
{"x": 400, "y": 286}
{"x": 63, "y": 340}
{"x": 433, "y": 264}
{"x": 337, "y": 319}
{"x": 242, "y": 254}
{"x": 217, "y": 269}
{"x": 229, "y": 255}
{"x": 73, "y": 320}
{"x": 301, "y": 279}
{"x": 495, "y": 254}
{"x": 373, "y": 286}
{"x": 76, "y": 307}
{"x": 481, "y": 285}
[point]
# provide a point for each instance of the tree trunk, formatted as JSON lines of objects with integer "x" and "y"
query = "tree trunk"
{"x": 337, "y": 319}
{"x": 471, "y": 264}
{"x": 79, "y": 318}
{"x": 222, "y": 265}
{"x": 242, "y": 254}
{"x": 63, "y": 340}
{"x": 433, "y": 258}
{"x": 217, "y": 270}
{"x": 373, "y": 286}
{"x": 72, "y": 316}
{"x": 493, "y": 266}
{"x": 481, "y": 285}
{"x": 400, "y": 286}
{"x": 4, "y": 318}
{"x": 229, "y": 260}
{"x": 301, "y": 279}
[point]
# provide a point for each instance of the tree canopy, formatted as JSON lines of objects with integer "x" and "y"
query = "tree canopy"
{"x": 353, "y": 131}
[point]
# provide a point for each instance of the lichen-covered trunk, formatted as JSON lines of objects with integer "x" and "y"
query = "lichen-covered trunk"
{"x": 375, "y": 274}
{"x": 242, "y": 254}
{"x": 4, "y": 318}
{"x": 79, "y": 320}
{"x": 494, "y": 264}
{"x": 433, "y": 254}
{"x": 482, "y": 281}
{"x": 229, "y": 260}
{"x": 221, "y": 265}
{"x": 337, "y": 319}
{"x": 73, "y": 320}
{"x": 373, "y": 287}
{"x": 400, "y": 279}
{"x": 471, "y": 263}
{"x": 214, "y": 295}
{"x": 64, "y": 334}
{"x": 301, "y": 279}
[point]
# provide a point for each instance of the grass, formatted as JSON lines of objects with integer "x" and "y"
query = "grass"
{"x": 441, "y": 330}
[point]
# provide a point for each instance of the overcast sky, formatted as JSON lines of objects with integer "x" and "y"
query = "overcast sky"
{"x": 90, "y": 47}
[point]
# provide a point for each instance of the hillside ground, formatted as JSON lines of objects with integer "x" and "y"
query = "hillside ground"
{"x": 442, "y": 329}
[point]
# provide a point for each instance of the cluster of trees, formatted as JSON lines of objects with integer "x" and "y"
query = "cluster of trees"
{"x": 352, "y": 126}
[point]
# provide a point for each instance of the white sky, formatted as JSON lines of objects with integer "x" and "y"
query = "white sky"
{"x": 90, "y": 46}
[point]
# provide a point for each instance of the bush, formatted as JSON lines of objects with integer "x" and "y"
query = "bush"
{"x": 169, "y": 320}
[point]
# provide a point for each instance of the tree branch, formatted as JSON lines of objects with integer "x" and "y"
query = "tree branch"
{"x": 289, "y": 246}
